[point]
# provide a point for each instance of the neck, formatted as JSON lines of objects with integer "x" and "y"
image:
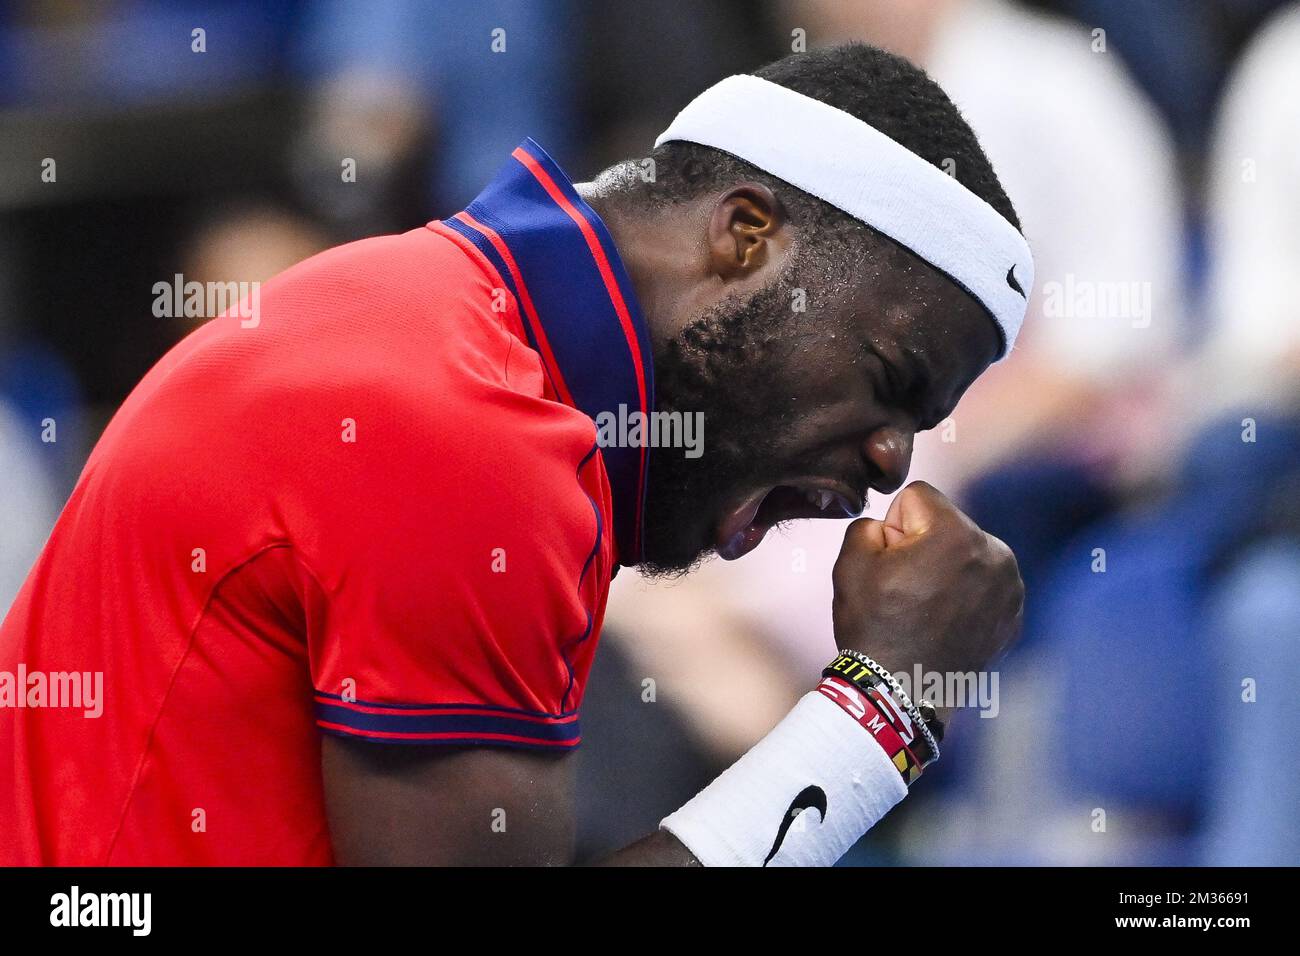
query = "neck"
{"x": 650, "y": 245}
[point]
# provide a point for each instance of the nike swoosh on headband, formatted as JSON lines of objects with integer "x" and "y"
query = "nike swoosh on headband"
{"x": 841, "y": 160}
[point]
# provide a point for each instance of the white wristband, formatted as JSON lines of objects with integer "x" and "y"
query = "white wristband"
{"x": 802, "y": 796}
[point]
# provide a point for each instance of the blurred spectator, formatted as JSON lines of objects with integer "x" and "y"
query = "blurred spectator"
{"x": 250, "y": 243}
{"x": 29, "y": 507}
{"x": 1171, "y": 48}
{"x": 57, "y": 54}
{"x": 1197, "y": 597}
{"x": 1254, "y": 785}
{"x": 1253, "y": 351}
{"x": 1179, "y": 50}
{"x": 634, "y": 88}
{"x": 483, "y": 75}
{"x": 1253, "y": 356}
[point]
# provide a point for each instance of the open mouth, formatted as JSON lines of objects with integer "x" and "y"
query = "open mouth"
{"x": 743, "y": 528}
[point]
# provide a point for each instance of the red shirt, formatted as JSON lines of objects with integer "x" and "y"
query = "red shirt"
{"x": 380, "y": 511}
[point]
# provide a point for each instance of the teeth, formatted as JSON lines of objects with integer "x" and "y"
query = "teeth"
{"x": 819, "y": 498}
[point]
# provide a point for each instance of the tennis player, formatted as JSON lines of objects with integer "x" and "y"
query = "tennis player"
{"x": 341, "y": 569}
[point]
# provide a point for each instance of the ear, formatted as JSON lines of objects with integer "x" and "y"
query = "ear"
{"x": 746, "y": 232}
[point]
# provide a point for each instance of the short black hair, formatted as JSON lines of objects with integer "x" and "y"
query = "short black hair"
{"x": 877, "y": 87}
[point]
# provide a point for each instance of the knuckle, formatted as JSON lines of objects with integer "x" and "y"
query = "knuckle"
{"x": 857, "y": 528}
{"x": 1002, "y": 568}
{"x": 860, "y": 541}
{"x": 1002, "y": 552}
{"x": 974, "y": 547}
{"x": 1014, "y": 577}
{"x": 1014, "y": 583}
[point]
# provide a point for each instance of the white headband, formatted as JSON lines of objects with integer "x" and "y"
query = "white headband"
{"x": 853, "y": 166}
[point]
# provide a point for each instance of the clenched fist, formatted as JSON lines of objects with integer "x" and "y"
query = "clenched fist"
{"x": 926, "y": 586}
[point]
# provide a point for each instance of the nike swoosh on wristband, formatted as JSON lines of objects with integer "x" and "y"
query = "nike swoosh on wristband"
{"x": 809, "y": 798}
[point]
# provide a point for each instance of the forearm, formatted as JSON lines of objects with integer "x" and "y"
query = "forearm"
{"x": 801, "y": 796}
{"x": 659, "y": 849}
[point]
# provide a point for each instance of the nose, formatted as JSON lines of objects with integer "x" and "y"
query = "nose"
{"x": 889, "y": 452}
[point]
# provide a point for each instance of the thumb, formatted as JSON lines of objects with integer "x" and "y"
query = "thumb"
{"x": 913, "y": 511}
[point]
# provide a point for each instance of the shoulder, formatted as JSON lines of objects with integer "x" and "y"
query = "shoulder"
{"x": 391, "y": 285}
{"x": 412, "y": 415}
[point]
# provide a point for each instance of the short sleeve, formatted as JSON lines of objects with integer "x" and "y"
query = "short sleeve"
{"x": 463, "y": 556}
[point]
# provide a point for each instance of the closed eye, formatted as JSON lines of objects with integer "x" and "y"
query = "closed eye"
{"x": 900, "y": 393}
{"x": 886, "y": 384}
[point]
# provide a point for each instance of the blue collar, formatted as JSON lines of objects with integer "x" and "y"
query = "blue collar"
{"x": 578, "y": 308}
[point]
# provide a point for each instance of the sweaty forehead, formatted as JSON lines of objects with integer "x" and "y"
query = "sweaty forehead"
{"x": 909, "y": 311}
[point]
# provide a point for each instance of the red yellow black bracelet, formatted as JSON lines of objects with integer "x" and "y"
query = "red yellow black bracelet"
{"x": 919, "y": 726}
{"x": 866, "y": 711}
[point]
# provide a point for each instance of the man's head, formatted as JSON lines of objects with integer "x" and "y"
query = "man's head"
{"x": 814, "y": 346}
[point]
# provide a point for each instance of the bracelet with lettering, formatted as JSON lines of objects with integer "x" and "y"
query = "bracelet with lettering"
{"x": 864, "y": 672}
{"x": 858, "y": 705}
{"x": 869, "y": 682}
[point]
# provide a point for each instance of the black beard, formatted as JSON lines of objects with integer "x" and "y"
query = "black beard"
{"x": 726, "y": 365}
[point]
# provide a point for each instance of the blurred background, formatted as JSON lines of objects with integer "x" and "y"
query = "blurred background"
{"x": 1140, "y": 451}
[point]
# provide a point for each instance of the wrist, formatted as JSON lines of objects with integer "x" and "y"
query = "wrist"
{"x": 801, "y": 796}
{"x": 917, "y": 723}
